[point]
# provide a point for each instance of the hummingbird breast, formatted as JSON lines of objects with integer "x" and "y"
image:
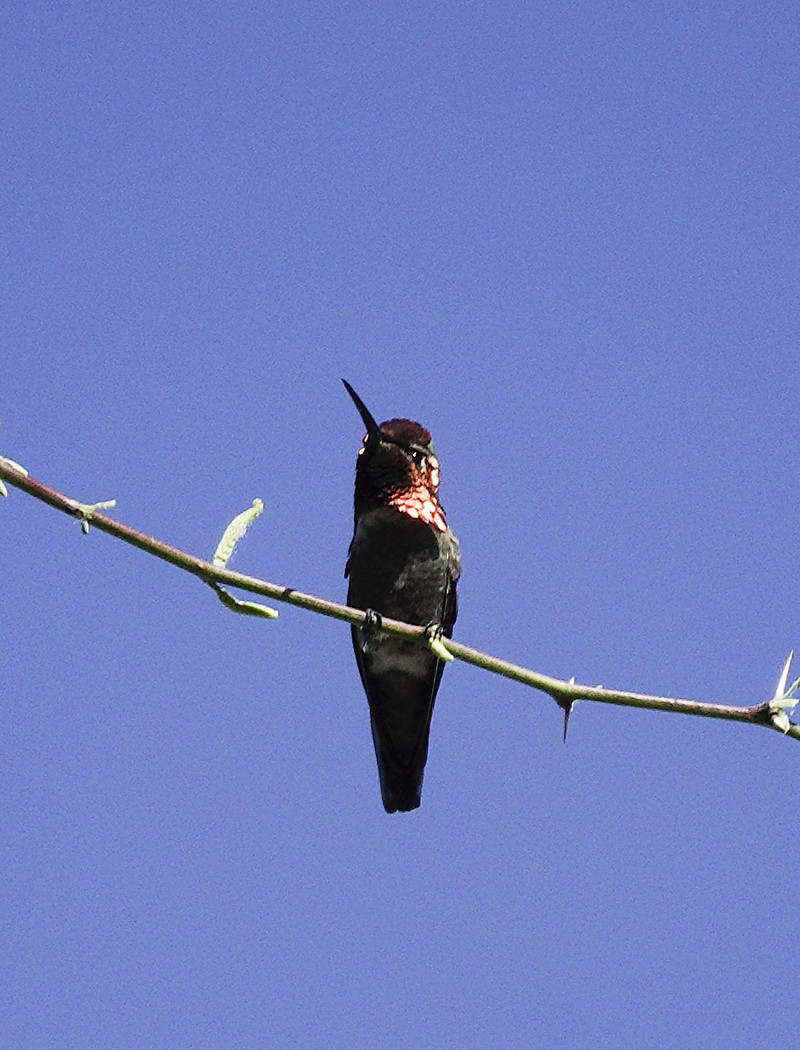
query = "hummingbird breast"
{"x": 401, "y": 567}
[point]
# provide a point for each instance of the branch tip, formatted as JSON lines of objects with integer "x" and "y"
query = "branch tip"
{"x": 780, "y": 689}
{"x": 783, "y": 703}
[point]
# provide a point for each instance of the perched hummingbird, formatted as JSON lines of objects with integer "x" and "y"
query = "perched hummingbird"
{"x": 403, "y": 563}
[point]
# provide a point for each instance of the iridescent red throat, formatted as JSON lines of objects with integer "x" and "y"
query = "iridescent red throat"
{"x": 417, "y": 502}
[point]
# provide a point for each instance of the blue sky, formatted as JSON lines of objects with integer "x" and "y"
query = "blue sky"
{"x": 565, "y": 240}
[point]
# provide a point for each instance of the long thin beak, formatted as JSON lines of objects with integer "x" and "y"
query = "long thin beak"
{"x": 372, "y": 427}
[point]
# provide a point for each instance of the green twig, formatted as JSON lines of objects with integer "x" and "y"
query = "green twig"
{"x": 563, "y": 692}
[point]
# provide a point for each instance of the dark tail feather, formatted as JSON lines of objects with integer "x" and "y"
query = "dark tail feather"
{"x": 401, "y": 783}
{"x": 400, "y": 796}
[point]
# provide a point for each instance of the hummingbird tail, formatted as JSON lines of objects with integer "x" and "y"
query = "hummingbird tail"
{"x": 401, "y": 782}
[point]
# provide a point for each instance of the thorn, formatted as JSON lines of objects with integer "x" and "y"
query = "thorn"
{"x": 566, "y": 706}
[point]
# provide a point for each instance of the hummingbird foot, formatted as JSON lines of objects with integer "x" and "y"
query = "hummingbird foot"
{"x": 434, "y": 633}
{"x": 372, "y": 622}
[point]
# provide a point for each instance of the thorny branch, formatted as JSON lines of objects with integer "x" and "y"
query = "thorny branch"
{"x": 770, "y": 713}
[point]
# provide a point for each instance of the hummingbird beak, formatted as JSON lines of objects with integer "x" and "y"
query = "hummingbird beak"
{"x": 373, "y": 430}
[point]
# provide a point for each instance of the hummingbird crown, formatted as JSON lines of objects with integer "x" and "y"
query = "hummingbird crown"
{"x": 405, "y": 431}
{"x": 402, "y": 472}
{"x": 396, "y": 468}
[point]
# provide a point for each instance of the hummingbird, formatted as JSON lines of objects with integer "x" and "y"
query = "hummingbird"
{"x": 404, "y": 563}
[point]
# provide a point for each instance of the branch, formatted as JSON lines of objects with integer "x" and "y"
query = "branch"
{"x": 771, "y": 713}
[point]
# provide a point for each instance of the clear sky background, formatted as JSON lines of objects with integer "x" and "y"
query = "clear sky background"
{"x": 565, "y": 238}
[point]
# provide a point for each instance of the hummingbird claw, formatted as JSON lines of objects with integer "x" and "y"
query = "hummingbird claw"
{"x": 435, "y": 633}
{"x": 372, "y": 621}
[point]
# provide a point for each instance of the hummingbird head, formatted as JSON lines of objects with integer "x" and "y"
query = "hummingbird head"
{"x": 396, "y": 467}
